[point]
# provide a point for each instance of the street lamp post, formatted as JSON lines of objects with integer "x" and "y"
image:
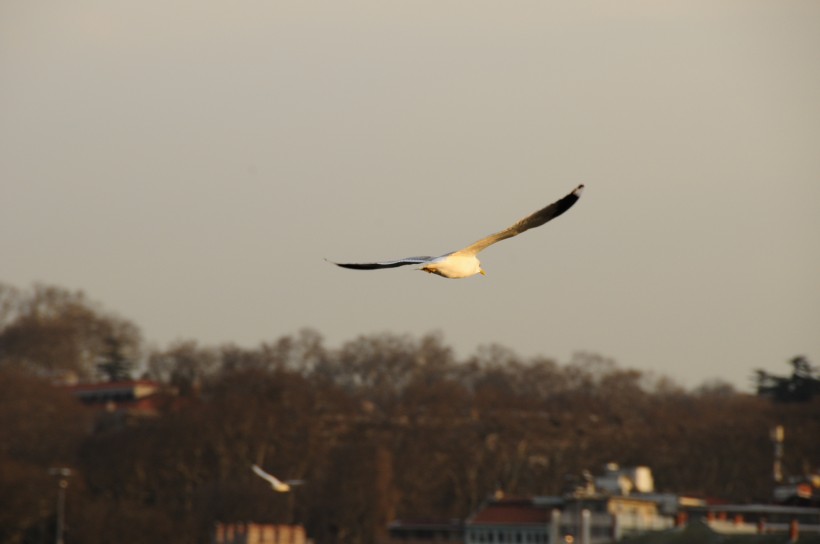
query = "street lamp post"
{"x": 62, "y": 475}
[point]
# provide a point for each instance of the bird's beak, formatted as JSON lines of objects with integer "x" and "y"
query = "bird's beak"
{"x": 481, "y": 271}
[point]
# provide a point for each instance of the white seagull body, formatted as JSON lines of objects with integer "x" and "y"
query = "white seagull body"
{"x": 276, "y": 484}
{"x": 464, "y": 263}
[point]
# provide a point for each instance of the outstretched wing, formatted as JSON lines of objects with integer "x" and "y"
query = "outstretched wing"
{"x": 269, "y": 477}
{"x": 384, "y": 264}
{"x": 531, "y": 221}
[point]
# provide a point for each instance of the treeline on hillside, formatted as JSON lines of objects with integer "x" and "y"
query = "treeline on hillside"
{"x": 382, "y": 427}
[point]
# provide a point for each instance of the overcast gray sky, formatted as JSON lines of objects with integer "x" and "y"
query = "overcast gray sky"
{"x": 189, "y": 164}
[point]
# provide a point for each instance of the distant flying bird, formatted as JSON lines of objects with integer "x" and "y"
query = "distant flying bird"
{"x": 464, "y": 263}
{"x": 276, "y": 484}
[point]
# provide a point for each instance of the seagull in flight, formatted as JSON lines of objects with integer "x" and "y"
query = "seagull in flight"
{"x": 275, "y": 483}
{"x": 464, "y": 263}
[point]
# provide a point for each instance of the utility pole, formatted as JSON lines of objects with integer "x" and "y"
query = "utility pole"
{"x": 62, "y": 475}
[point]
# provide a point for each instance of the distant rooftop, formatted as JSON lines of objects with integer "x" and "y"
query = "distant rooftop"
{"x": 516, "y": 511}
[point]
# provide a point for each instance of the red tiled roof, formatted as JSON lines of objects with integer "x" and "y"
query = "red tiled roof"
{"x": 511, "y": 511}
{"x": 106, "y": 386}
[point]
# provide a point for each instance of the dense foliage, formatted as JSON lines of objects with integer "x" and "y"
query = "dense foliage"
{"x": 803, "y": 384}
{"x": 382, "y": 427}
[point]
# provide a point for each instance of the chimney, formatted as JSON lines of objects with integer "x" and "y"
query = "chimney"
{"x": 777, "y": 435}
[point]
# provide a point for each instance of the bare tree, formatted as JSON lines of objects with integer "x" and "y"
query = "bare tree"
{"x": 54, "y": 331}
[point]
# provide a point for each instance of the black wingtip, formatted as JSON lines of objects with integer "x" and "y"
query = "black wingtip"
{"x": 340, "y": 265}
{"x": 357, "y": 266}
